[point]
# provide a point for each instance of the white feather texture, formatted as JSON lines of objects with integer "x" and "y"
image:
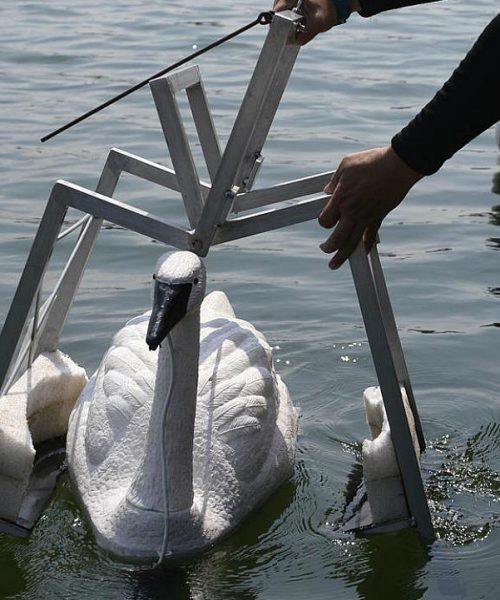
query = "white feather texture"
{"x": 230, "y": 434}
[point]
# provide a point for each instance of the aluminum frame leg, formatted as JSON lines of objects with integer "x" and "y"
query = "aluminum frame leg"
{"x": 380, "y": 347}
{"x": 31, "y": 280}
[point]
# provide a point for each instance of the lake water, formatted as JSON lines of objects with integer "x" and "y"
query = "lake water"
{"x": 351, "y": 89}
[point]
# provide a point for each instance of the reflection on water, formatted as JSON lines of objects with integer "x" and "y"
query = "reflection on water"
{"x": 464, "y": 471}
{"x": 496, "y": 184}
{"x": 407, "y": 558}
{"x": 494, "y": 215}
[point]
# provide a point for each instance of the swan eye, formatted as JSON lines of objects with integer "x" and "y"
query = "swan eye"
{"x": 154, "y": 276}
{"x": 195, "y": 280}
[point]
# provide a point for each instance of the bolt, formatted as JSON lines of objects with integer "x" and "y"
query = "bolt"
{"x": 229, "y": 195}
{"x": 196, "y": 244}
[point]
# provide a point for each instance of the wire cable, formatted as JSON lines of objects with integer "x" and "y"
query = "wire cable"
{"x": 264, "y": 18}
{"x": 164, "y": 546}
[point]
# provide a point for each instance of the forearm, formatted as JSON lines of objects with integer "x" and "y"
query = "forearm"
{"x": 368, "y": 8}
{"x": 467, "y": 104}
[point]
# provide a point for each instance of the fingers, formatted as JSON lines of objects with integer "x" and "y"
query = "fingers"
{"x": 280, "y": 5}
{"x": 339, "y": 237}
{"x": 332, "y": 184}
{"x": 330, "y": 214}
{"x": 347, "y": 248}
{"x": 303, "y": 37}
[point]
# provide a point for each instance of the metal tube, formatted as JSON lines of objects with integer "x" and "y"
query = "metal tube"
{"x": 391, "y": 393}
{"x": 220, "y": 199}
{"x": 394, "y": 340}
{"x": 269, "y": 220}
{"x": 122, "y": 214}
{"x": 73, "y": 227}
{"x": 34, "y": 327}
{"x": 284, "y": 191}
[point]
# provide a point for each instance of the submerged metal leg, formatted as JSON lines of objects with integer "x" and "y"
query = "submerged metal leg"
{"x": 394, "y": 340}
{"x": 391, "y": 392}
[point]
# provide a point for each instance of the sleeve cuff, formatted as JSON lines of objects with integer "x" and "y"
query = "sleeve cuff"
{"x": 412, "y": 154}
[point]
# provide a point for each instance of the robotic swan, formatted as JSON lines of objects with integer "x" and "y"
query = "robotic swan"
{"x": 169, "y": 451}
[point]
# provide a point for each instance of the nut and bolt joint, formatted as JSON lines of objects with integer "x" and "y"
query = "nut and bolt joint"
{"x": 196, "y": 244}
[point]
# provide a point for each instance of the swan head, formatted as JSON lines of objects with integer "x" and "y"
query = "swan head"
{"x": 179, "y": 288}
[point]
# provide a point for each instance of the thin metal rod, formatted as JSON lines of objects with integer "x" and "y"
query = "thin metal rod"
{"x": 73, "y": 227}
{"x": 263, "y": 19}
{"x": 35, "y": 327}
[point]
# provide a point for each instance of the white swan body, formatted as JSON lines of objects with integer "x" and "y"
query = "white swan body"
{"x": 230, "y": 433}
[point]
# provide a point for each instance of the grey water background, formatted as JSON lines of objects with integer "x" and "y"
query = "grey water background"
{"x": 352, "y": 88}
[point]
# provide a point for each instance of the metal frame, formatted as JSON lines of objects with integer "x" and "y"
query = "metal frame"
{"x": 209, "y": 208}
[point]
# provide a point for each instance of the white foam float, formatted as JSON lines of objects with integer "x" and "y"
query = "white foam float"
{"x": 381, "y": 474}
{"x": 35, "y": 409}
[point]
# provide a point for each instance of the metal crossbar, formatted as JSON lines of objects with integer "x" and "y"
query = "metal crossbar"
{"x": 210, "y": 208}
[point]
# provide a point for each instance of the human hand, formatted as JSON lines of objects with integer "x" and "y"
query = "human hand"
{"x": 365, "y": 188}
{"x": 320, "y": 15}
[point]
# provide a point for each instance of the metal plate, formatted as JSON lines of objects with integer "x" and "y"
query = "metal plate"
{"x": 50, "y": 462}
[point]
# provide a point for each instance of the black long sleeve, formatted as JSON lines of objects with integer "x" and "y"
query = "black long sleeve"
{"x": 373, "y": 7}
{"x": 467, "y": 105}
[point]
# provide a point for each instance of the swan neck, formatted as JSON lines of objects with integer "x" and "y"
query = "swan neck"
{"x": 178, "y": 387}
{"x": 179, "y": 430}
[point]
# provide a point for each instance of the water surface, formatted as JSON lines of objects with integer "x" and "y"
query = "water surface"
{"x": 351, "y": 89}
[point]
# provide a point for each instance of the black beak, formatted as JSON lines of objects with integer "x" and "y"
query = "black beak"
{"x": 169, "y": 307}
